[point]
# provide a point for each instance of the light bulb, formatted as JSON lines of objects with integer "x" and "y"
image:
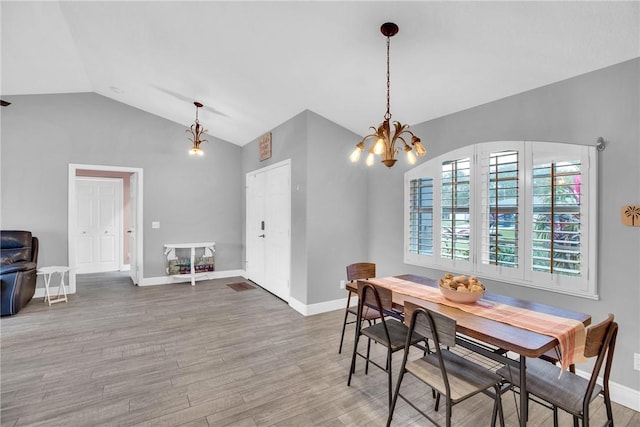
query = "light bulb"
{"x": 379, "y": 147}
{"x": 411, "y": 158}
{"x": 355, "y": 156}
{"x": 370, "y": 159}
{"x": 420, "y": 150}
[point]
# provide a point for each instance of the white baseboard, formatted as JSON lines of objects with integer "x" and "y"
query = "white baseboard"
{"x": 166, "y": 280}
{"x": 321, "y": 307}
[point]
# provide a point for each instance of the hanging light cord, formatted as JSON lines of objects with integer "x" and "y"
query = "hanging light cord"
{"x": 387, "y": 116}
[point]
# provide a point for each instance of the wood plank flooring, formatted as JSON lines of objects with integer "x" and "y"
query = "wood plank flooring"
{"x": 177, "y": 355}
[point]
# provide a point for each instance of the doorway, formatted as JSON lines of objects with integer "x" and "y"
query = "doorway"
{"x": 130, "y": 232}
{"x": 268, "y": 228}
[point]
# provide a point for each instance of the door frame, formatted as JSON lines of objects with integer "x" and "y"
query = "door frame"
{"x": 72, "y": 217}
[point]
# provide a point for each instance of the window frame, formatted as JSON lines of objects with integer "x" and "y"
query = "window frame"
{"x": 529, "y": 153}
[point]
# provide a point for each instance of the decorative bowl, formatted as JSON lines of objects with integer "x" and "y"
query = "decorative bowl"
{"x": 461, "y": 297}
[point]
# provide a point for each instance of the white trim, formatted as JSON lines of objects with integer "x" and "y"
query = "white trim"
{"x": 184, "y": 278}
{"x": 273, "y": 166}
{"x": 72, "y": 220}
{"x": 321, "y": 307}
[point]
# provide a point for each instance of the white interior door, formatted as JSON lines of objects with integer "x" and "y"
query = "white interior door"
{"x": 268, "y": 228}
{"x": 98, "y": 232}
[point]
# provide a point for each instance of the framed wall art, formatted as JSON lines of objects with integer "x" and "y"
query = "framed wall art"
{"x": 265, "y": 146}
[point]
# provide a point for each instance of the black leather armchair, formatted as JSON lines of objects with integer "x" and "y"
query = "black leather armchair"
{"x": 18, "y": 265}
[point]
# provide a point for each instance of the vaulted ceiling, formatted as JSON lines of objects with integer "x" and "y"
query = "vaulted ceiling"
{"x": 254, "y": 65}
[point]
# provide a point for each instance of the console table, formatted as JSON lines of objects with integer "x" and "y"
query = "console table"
{"x": 192, "y": 266}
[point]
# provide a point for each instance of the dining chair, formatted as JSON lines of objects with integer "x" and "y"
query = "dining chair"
{"x": 389, "y": 332}
{"x": 570, "y": 392}
{"x": 357, "y": 271}
{"x": 449, "y": 374}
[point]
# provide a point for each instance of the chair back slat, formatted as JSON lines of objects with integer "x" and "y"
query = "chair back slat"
{"x": 445, "y": 333}
{"x": 361, "y": 270}
{"x": 374, "y": 296}
{"x": 596, "y": 335}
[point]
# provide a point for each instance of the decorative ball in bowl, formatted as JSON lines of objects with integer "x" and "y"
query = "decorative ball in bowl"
{"x": 461, "y": 289}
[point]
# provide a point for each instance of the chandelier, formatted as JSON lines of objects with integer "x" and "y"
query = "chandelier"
{"x": 385, "y": 139}
{"x": 196, "y": 131}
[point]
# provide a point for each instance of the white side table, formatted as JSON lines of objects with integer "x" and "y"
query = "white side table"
{"x": 48, "y": 272}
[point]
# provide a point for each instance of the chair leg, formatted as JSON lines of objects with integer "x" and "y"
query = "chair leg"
{"x": 390, "y": 385}
{"x": 344, "y": 323}
{"x": 437, "y": 405}
{"x": 555, "y": 416}
{"x": 395, "y": 396}
{"x": 448, "y": 404}
{"x": 366, "y": 368}
{"x": 353, "y": 358}
{"x": 497, "y": 408}
{"x": 607, "y": 405}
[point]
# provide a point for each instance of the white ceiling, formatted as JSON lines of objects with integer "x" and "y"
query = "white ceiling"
{"x": 256, "y": 64}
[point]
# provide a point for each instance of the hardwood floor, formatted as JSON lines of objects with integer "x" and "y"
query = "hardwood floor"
{"x": 177, "y": 355}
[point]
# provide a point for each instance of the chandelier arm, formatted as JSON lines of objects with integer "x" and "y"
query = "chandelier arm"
{"x": 371, "y": 135}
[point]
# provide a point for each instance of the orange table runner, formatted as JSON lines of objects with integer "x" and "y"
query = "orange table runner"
{"x": 570, "y": 333}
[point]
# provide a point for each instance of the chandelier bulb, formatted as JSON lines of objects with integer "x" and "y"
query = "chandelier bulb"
{"x": 370, "y": 159}
{"x": 420, "y": 150}
{"x": 411, "y": 158}
{"x": 355, "y": 156}
{"x": 379, "y": 147}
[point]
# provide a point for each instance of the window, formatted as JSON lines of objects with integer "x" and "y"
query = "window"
{"x": 421, "y": 217}
{"x": 454, "y": 225}
{"x": 519, "y": 212}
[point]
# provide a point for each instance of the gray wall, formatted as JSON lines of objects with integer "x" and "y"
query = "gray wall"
{"x": 194, "y": 199}
{"x": 579, "y": 110}
{"x": 328, "y": 196}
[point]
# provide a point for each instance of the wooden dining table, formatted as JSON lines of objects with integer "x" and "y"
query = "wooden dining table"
{"x": 495, "y": 339}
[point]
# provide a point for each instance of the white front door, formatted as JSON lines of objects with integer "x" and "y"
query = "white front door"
{"x": 268, "y": 228}
{"x": 98, "y": 211}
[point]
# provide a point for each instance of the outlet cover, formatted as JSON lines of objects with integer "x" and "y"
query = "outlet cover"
{"x": 155, "y": 224}
{"x": 636, "y": 361}
{"x": 342, "y": 284}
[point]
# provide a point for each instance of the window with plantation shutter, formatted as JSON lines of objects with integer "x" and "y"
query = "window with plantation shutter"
{"x": 515, "y": 211}
{"x": 556, "y": 218}
{"x": 455, "y": 209}
{"x": 421, "y": 216}
{"x": 499, "y": 247}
